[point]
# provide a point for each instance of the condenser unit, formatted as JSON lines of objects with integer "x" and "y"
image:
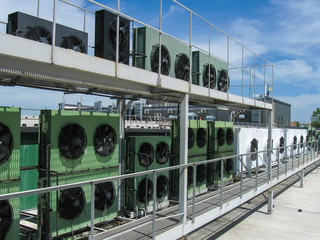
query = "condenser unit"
{"x": 37, "y": 29}
{"x": 76, "y": 146}
{"x": 175, "y": 61}
{"x": 146, "y": 153}
{"x": 197, "y": 152}
{"x": 106, "y": 36}
{"x": 209, "y": 72}
{"x": 9, "y": 171}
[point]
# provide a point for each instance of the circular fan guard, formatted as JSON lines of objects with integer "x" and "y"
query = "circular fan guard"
{"x": 123, "y": 28}
{"x": 221, "y": 136}
{"x": 229, "y": 166}
{"x": 165, "y": 60}
{"x": 145, "y": 190}
{"x": 201, "y": 137}
{"x": 254, "y": 148}
{"x": 209, "y": 79}
{"x": 105, "y": 140}
{"x": 39, "y": 34}
{"x": 190, "y": 175}
{"x": 182, "y": 67}
{"x": 201, "y": 173}
{"x": 71, "y": 203}
{"x": 223, "y": 82}
{"x": 281, "y": 145}
{"x": 6, "y": 143}
{"x": 162, "y": 152}
{"x": 162, "y": 186}
{"x": 301, "y": 141}
{"x": 295, "y": 140}
{"x": 6, "y": 218}
{"x": 230, "y": 136}
{"x": 191, "y": 138}
{"x": 72, "y": 141}
{"x": 74, "y": 43}
{"x": 104, "y": 195}
{"x": 146, "y": 154}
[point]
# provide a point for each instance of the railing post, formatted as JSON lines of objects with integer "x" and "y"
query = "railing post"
{"x": 257, "y": 171}
{"x": 160, "y": 53}
{"x": 292, "y": 160}
{"x": 53, "y": 31}
{"x": 221, "y": 183}
{"x": 92, "y": 212}
{"x": 117, "y": 39}
{"x": 194, "y": 191}
{"x": 154, "y": 205}
{"x": 303, "y": 153}
{"x": 38, "y": 8}
{"x": 241, "y": 176}
{"x": 270, "y": 117}
{"x": 278, "y": 163}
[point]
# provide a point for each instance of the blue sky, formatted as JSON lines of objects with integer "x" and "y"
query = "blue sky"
{"x": 285, "y": 32}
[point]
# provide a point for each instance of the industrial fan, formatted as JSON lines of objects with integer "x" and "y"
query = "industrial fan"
{"x": 146, "y": 154}
{"x": 209, "y": 76}
{"x": 124, "y": 27}
{"x": 104, "y": 195}
{"x": 40, "y": 34}
{"x": 229, "y": 136}
{"x": 190, "y": 175}
{"x": 191, "y": 138}
{"x": 218, "y": 167}
{"x": 201, "y": 173}
{"x": 201, "y": 137}
{"x": 6, "y": 218}
{"x": 162, "y": 186}
{"x": 229, "y": 166}
{"x": 74, "y": 43}
{"x": 145, "y": 190}
{"x": 165, "y": 59}
{"x": 281, "y": 144}
{"x": 301, "y": 141}
{"x": 254, "y": 149}
{"x": 223, "y": 81}
{"x": 71, "y": 203}
{"x": 6, "y": 143}
{"x": 182, "y": 67}
{"x": 221, "y": 136}
{"x": 162, "y": 152}
{"x": 104, "y": 140}
{"x": 72, "y": 141}
{"x": 295, "y": 140}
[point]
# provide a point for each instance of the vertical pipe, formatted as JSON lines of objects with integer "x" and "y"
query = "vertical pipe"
{"x": 84, "y": 20}
{"x": 92, "y": 212}
{"x": 292, "y": 160}
{"x": 117, "y": 39}
{"x": 160, "y": 28}
{"x": 241, "y": 176}
{"x": 228, "y": 59}
{"x": 270, "y": 201}
{"x": 194, "y": 191}
{"x": 254, "y": 79}
{"x": 53, "y": 31}
{"x": 301, "y": 178}
{"x": 242, "y": 72}
{"x": 121, "y": 162}
{"x": 221, "y": 183}
{"x": 257, "y": 171}
{"x": 278, "y": 163}
{"x": 154, "y": 205}
{"x": 303, "y": 152}
{"x": 190, "y": 50}
{"x": 38, "y": 8}
{"x": 183, "y": 156}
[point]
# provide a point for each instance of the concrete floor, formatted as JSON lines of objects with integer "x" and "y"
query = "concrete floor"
{"x": 286, "y": 222}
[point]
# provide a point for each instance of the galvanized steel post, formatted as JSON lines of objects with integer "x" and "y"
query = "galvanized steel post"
{"x": 92, "y": 212}
{"x": 53, "y": 31}
{"x": 154, "y": 205}
{"x": 194, "y": 191}
{"x": 270, "y": 117}
{"x": 301, "y": 178}
{"x": 270, "y": 201}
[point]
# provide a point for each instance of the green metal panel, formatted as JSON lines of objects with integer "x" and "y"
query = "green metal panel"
{"x": 10, "y": 169}
{"x": 133, "y": 144}
{"x": 29, "y": 178}
{"x": 145, "y": 39}
{"x": 199, "y": 61}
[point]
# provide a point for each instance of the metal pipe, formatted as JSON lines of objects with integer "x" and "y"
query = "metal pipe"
{"x": 92, "y": 212}
{"x": 194, "y": 192}
{"x": 84, "y": 20}
{"x": 38, "y": 8}
{"x": 278, "y": 164}
{"x": 257, "y": 170}
{"x": 190, "y": 51}
{"x": 241, "y": 177}
{"x": 154, "y": 205}
{"x": 221, "y": 184}
{"x": 117, "y": 39}
{"x": 53, "y": 31}
{"x": 160, "y": 47}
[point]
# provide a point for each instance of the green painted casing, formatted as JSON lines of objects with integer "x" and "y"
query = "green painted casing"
{"x": 199, "y": 61}
{"x": 10, "y": 169}
{"x": 132, "y": 165}
{"x": 10, "y": 187}
{"x": 144, "y": 41}
{"x": 28, "y": 178}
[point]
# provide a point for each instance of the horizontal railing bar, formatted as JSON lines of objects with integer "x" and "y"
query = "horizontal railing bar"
{"x": 71, "y": 4}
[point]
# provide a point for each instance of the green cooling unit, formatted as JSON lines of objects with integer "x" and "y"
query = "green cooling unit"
{"x": 9, "y": 171}
{"x": 213, "y": 74}
{"x": 76, "y": 146}
{"x": 175, "y": 60}
{"x": 220, "y": 144}
{"x": 146, "y": 153}
{"x": 197, "y": 152}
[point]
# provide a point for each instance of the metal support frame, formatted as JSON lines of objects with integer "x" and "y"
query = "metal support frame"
{"x": 183, "y": 179}
{"x": 301, "y": 178}
{"x": 270, "y": 201}
{"x": 270, "y": 115}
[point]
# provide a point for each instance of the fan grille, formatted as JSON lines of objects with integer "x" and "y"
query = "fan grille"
{"x": 145, "y": 190}
{"x": 6, "y": 143}
{"x": 71, "y": 203}
{"x": 295, "y": 140}
{"x": 223, "y": 82}
{"x": 254, "y": 148}
{"x": 105, "y": 140}
{"x": 209, "y": 76}
{"x": 40, "y": 34}
{"x": 162, "y": 153}
{"x": 104, "y": 195}
{"x": 72, "y": 141}
{"x": 146, "y": 154}
{"x": 191, "y": 138}
{"x": 6, "y": 218}
{"x": 201, "y": 173}
{"x": 230, "y": 136}
{"x": 221, "y": 136}
{"x": 281, "y": 145}
{"x": 74, "y": 43}
{"x": 229, "y": 166}
{"x": 190, "y": 175}
{"x": 162, "y": 186}
{"x": 182, "y": 67}
{"x": 165, "y": 60}
{"x": 201, "y": 137}
{"x": 301, "y": 141}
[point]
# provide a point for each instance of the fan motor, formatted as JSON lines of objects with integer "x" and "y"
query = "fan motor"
{"x": 165, "y": 60}
{"x": 105, "y": 138}
{"x": 6, "y": 143}
{"x": 104, "y": 195}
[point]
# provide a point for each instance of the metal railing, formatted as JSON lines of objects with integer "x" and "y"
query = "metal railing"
{"x": 256, "y": 76}
{"x": 308, "y": 154}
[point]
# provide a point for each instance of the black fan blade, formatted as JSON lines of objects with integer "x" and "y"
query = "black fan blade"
{"x": 5, "y": 139}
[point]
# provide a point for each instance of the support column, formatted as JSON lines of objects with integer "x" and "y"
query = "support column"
{"x": 301, "y": 178}
{"x": 183, "y": 155}
{"x": 269, "y": 145}
{"x": 270, "y": 201}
